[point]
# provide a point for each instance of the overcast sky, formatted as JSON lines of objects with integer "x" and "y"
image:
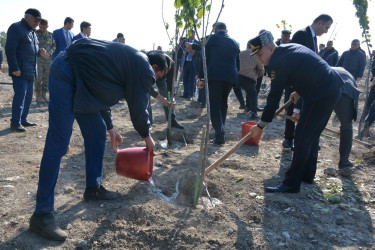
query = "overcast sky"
{"x": 141, "y": 20}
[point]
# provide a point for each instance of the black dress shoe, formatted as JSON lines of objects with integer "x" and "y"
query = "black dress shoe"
{"x": 288, "y": 144}
{"x": 18, "y": 128}
{"x": 259, "y": 109}
{"x": 175, "y": 124}
{"x": 242, "y": 106}
{"x": 99, "y": 193}
{"x": 218, "y": 142}
{"x": 281, "y": 188}
{"x": 28, "y": 124}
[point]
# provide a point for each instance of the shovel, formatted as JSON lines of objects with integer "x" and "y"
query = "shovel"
{"x": 186, "y": 184}
{"x": 334, "y": 132}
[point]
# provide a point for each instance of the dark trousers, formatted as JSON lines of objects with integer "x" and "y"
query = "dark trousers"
{"x": 202, "y": 96}
{"x": 259, "y": 83}
{"x": 219, "y": 92}
{"x": 163, "y": 91}
{"x": 61, "y": 119}
{"x": 289, "y": 125}
{"x": 189, "y": 78}
{"x": 249, "y": 85}
{"x": 370, "y": 106}
{"x": 345, "y": 111}
{"x": 315, "y": 112}
{"x": 23, "y": 94}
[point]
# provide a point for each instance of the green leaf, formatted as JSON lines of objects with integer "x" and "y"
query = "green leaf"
{"x": 166, "y": 25}
{"x": 200, "y": 13}
{"x": 177, "y": 4}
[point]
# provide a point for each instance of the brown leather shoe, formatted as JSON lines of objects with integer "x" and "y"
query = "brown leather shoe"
{"x": 46, "y": 226}
{"x": 99, "y": 193}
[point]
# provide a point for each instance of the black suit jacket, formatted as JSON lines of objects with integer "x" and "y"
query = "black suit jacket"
{"x": 304, "y": 37}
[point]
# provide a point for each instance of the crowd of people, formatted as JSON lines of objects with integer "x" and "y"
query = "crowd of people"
{"x": 85, "y": 77}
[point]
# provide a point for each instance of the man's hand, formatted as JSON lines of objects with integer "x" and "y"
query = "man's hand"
{"x": 116, "y": 139}
{"x": 256, "y": 130}
{"x": 16, "y": 73}
{"x": 42, "y": 52}
{"x": 294, "y": 96}
{"x": 163, "y": 100}
{"x": 1, "y": 65}
{"x": 200, "y": 84}
{"x": 295, "y": 117}
{"x": 150, "y": 144}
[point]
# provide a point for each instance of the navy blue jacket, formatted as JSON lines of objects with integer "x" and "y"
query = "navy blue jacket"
{"x": 353, "y": 61}
{"x": 302, "y": 68}
{"x": 349, "y": 88}
{"x": 106, "y": 72}
{"x": 330, "y": 56}
{"x": 1, "y": 56}
{"x": 77, "y": 37}
{"x": 21, "y": 49}
{"x": 223, "y": 58}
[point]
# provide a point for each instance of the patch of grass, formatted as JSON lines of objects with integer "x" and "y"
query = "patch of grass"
{"x": 21, "y": 135}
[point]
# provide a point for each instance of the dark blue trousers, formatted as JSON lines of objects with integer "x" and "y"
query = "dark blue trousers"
{"x": 249, "y": 85}
{"x": 218, "y": 93}
{"x": 189, "y": 78}
{"x": 23, "y": 95}
{"x": 315, "y": 112}
{"x": 61, "y": 119}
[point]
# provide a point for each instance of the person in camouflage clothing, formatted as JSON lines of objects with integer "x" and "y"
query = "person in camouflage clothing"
{"x": 46, "y": 41}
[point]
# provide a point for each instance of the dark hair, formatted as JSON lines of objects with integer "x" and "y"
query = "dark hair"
{"x": 220, "y": 26}
{"x": 120, "y": 35}
{"x": 356, "y": 41}
{"x": 85, "y": 24}
{"x": 323, "y": 17}
{"x": 68, "y": 20}
{"x": 158, "y": 58}
{"x": 43, "y": 22}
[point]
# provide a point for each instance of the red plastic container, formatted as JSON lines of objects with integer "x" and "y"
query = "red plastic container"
{"x": 135, "y": 163}
{"x": 246, "y": 129}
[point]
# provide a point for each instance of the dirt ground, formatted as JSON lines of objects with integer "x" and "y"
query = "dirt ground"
{"x": 333, "y": 213}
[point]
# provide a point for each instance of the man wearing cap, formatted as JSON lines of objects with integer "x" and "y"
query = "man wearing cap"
{"x": 285, "y": 37}
{"x": 223, "y": 64}
{"x": 312, "y": 79}
{"x": 21, "y": 49}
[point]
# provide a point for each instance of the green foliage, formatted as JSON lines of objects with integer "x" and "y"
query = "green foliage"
{"x": 361, "y": 12}
{"x": 284, "y": 25}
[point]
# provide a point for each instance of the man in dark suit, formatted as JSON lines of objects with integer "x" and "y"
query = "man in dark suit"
{"x": 85, "y": 31}
{"x": 307, "y": 38}
{"x": 223, "y": 63}
{"x": 63, "y": 37}
{"x": 318, "y": 84}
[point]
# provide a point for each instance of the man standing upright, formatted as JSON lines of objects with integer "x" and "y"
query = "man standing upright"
{"x": 285, "y": 37}
{"x": 189, "y": 71}
{"x": 329, "y": 54}
{"x": 46, "y": 42}
{"x": 21, "y": 49}
{"x": 353, "y": 60}
{"x": 63, "y": 37}
{"x": 308, "y": 38}
{"x": 85, "y": 31}
{"x": 223, "y": 64}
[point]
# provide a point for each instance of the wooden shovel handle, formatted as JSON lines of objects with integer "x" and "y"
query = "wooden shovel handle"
{"x": 334, "y": 132}
{"x": 239, "y": 144}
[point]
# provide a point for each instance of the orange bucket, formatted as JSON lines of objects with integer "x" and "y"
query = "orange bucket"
{"x": 135, "y": 163}
{"x": 254, "y": 140}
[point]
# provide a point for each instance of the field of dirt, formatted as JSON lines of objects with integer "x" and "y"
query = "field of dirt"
{"x": 335, "y": 212}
